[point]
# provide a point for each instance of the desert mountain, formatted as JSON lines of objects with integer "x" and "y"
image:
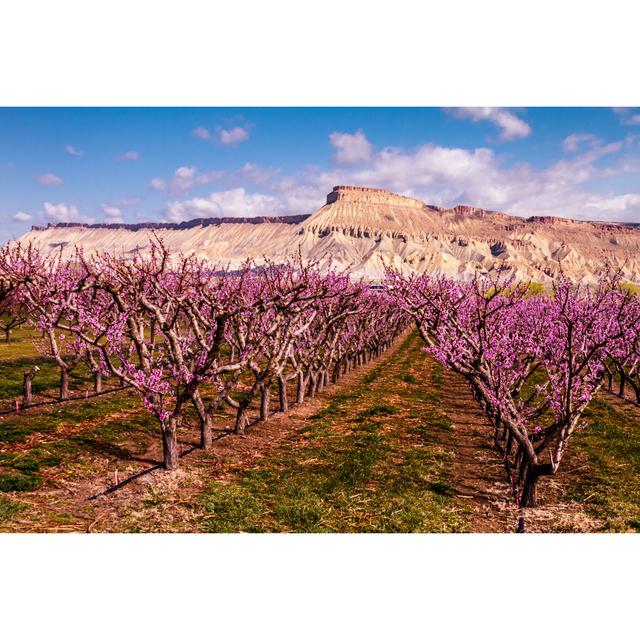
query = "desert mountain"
{"x": 363, "y": 228}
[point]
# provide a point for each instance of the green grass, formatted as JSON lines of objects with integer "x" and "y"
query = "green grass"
{"x": 108, "y": 433}
{"x": 20, "y": 354}
{"x": 17, "y": 427}
{"x": 437, "y": 375}
{"x": 610, "y": 490}
{"x": 376, "y": 410}
{"x": 19, "y": 481}
{"x": 9, "y": 509}
{"x": 366, "y": 465}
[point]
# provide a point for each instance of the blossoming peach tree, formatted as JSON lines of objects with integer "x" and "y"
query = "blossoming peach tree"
{"x": 534, "y": 362}
{"x": 178, "y": 330}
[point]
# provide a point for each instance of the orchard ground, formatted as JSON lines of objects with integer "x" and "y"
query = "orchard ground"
{"x": 396, "y": 446}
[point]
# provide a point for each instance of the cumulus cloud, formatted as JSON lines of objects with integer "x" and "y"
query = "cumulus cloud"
{"x": 620, "y": 207}
{"x": 256, "y": 174}
{"x": 21, "y": 216}
{"x": 112, "y": 214}
{"x": 627, "y": 115}
{"x": 202, "y": 132}
{"x": 437, "y": 174}
{"x": 572, "y": 142}
{"x": 448, "y": 176}
{"x": 72, "y": 151}
{"x": 49, "y": 179}
{"x": 231, "y": 203}
{"x": 511, "y": 127}
{"x": 60, "y": 212}
{"x": 351, "y": 148}
{"x": 184, "y": 179}
{"x": 129, "y": 155}
{"x": 236, "y": 135}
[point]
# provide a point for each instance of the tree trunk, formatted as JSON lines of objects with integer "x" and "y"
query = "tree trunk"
{"x": 206, "y": 432}
{"x": 533, "y": 474}
{"x": 635, "y": 387}
{"x": 170, "y": 443}
{"x": 301, "y": 385}
{"x": 27, "y": 396}
{"x": 282, "y": 394}
{"x": 206, "y": 421}
{"x": 97, "y": 381}
{"x": 265, "y": 393}
{"x": 7, "y": 335}
{"x": 529, "y": 493}
{"x": 64, "y": 384}
{"x": 320, "y": 382}
{"x": 242, "y": 420}
{"x": 311, "y": 391}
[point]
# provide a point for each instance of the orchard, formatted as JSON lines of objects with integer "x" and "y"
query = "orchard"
{"x": 184, "y": 333}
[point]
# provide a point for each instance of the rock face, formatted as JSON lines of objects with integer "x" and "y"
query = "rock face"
{"x": 364, "y": 229}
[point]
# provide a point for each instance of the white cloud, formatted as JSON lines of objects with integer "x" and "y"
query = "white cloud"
{"x": 72, "y": 151}
{"x": 573, "y": 141}
{"x": 618, "y": 207}
{"x": 257, "y": 175}
{"x": 430, "y": 167}
{"x": 129, "y": 155}
{"x": 202, "y": 132}
{"x": 233, "y": 136}
{"x": 439, "y": 175}
{"x": 351, "y": 148}
{"x": 21, "y": 216}
{"x": 49, "y": 179}
{"x": 112, "y": 214}
{"x": 510, "y": 125}
{"x": 60, "y": 212}
{"x": 448, "y": 176}
{"x": 627, "y": 115}
{"x": 232, "y": 203}
{"x": 184, "y": 179}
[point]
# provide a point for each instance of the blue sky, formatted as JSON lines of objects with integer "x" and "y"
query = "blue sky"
{"x": 140, "y": 164}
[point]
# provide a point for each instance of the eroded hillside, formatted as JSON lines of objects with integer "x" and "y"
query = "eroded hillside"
{"x": 364, "y": 229}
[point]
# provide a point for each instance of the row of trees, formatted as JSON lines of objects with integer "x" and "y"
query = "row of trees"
{"x": 181, "y": 332}
{"x": 533, "y": 361}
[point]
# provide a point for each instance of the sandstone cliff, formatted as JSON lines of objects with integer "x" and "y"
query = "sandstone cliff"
{"x": 363, "y": 229}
